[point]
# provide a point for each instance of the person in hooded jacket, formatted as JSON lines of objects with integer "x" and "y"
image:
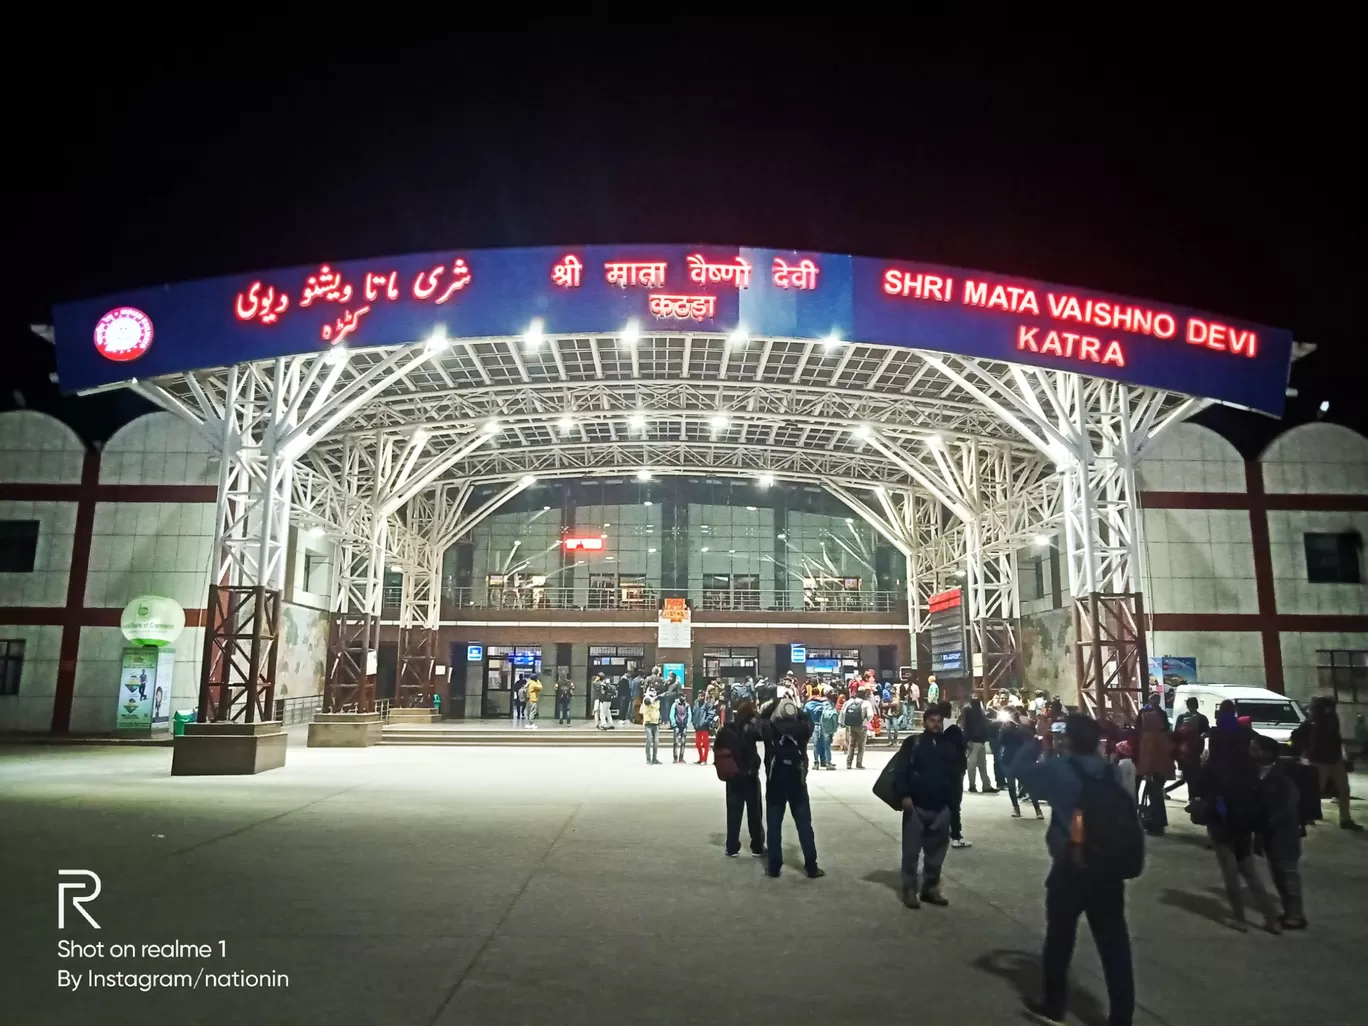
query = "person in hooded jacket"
{"x": 786, "y": 765}
{"x": 743, "y": 795}
{"x": 929, "y": 787}
{"x": 1231, "y": 787}
{"x": 955, "y": 736}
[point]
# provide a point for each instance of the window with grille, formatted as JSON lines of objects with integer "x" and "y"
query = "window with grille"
{"x": 11, "y": 665}
{"x": 1344, "y": 672}
{"x": 1333, "y": 558}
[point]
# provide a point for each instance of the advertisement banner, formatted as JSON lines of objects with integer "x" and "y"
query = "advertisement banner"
{"x": 138, "y": 690}
{"x": 674, "y": 626}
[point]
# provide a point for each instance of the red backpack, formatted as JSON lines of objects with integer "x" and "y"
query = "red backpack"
{"x": 728, "y": 755}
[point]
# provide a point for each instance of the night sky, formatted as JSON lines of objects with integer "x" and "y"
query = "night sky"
{"x": 1193, "y": 171}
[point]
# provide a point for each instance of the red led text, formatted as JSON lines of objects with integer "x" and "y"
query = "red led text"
{"x": 1069, "y": 344}
{"x": 919, "y": 285}
{"x": 1221, "y": 336}
{"x": 737, "y": 273}
{"x": 648, "y": 274}
{"x": 1009, "y": 298}
{"x": 375, "y": 283}
{"x": 566, "y": 274}
{"x": 327, "y": 285}
{"x": 265, "y": 307}
{"x": 802, "y": 275}
{"x": 426, "y": 282}
{"x": 344, "y": 325}
{"x": 680, "y": 308}
{"x": 590, "y": 544}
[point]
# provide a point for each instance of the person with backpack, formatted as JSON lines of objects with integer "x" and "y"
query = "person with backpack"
{"x": 565, "y": 694}
{"x": 786, "y": 730}
{"x": 704, "y": 717}
{"x": 1096, "y": 844}
{"x": 824, "y": 723}
{"x": 679, "y": 725}
{"x": 927, "y": 787}
{"x": 650, "y": 719}
{"x": 736, "y": 757}
{"x": 604, "y": 693}
{"x": 520, "y": 700}
{"x": 855, "y": 717}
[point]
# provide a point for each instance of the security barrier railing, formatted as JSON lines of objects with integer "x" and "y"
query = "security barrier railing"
{"x": 647, "y": 599}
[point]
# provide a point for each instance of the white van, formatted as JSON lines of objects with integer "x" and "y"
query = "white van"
{"x": 1270, "y": 713}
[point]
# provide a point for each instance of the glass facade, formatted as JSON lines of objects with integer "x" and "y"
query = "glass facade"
{"x": 724, "y": 545}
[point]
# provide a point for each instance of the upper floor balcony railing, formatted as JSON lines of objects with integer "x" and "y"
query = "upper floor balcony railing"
{"x": 647, "y": 599}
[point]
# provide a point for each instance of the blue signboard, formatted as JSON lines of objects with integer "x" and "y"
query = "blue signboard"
{"x": 700, "y": 289}
{"x": 797, "y": 653}
{"x": 474, "y": 653}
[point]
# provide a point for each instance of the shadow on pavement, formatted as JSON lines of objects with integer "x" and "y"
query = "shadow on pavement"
{"x": 1022, "y": 970}
{"x": 890, "y": 878}
{"x": 1204, "y": 905}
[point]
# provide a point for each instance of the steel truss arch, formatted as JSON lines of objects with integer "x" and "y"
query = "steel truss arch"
{"x": 396, "y": 452}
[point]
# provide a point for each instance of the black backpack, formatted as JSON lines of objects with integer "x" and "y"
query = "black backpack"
{"x": 1112, "y": 844}
{"x": 854, "y": 713}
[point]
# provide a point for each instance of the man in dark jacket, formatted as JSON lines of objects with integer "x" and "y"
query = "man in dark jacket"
{"x": 955, "y": 736}
{"x": 928, "y": 786}
{"x": 1318, "y": 742}
{"x": 1069, "y": 892}
{"x": 1279, "y": 830}
{"x": 745, "y": 792}
{"x": 974, "y": 723}
{"x": 786, "y": 766}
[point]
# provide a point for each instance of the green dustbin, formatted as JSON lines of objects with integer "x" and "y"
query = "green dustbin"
{"x": 179, "y": 721}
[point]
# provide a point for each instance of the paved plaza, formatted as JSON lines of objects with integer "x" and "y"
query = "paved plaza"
{"x": 443, "y": 886}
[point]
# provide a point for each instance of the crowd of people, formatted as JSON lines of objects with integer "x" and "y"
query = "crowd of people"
{"x": 1103, "y": 780}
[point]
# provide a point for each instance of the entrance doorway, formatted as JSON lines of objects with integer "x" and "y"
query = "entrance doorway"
{"x": 504, "y": 666}
{"x": 730, "y": 664}
{"x": 612, "y": 661}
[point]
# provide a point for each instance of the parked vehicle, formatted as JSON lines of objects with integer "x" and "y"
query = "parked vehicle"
{"x": 1270, "y": 713}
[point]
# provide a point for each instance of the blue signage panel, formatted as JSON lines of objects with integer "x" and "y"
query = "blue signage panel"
{"x": 797, "y": 653}
{"x": 705, "y": 289}
{"x": 474, "y": 653}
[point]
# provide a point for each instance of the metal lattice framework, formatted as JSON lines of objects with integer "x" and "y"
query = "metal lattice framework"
{"x": 397, "y": 452}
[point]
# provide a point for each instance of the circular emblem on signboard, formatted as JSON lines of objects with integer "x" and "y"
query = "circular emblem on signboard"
{"x": 123, "y": 334}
